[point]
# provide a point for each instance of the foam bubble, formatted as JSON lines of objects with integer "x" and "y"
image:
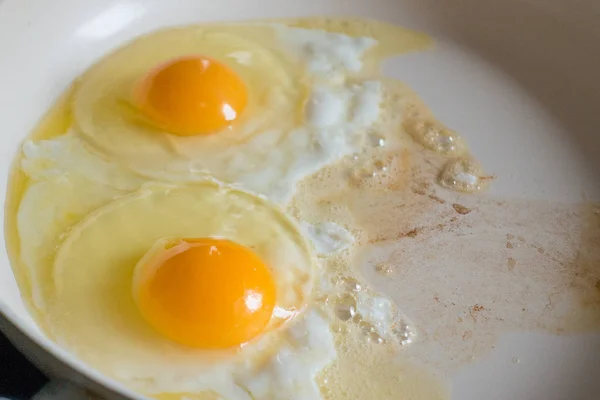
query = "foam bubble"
{"x": 463, "y": 174}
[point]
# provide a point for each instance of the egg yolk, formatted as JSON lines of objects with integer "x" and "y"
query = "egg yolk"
{"x": 206, "y": 293}
{"x": 192, "y": 95}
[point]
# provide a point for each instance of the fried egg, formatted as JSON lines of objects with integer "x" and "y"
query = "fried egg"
{"x": 83, "y": 327}
{"x": 260, "y": 106}
{"x": 157, "y": 229}
{"x": 199, "y": 273}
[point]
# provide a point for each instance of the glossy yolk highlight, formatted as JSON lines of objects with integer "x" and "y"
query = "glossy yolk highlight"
{"x": 192, "y": 95}
{"x": 206, "y": 293}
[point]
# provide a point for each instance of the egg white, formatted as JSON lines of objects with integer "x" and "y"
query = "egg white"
{"x": 67, "y": 181}
{"x": 93, "y": 313}
{"x": 328, "y": 56}
{"x": 323, "y": 110}
{"x": 292, "y": 127}
{"x": 71, "y": 183}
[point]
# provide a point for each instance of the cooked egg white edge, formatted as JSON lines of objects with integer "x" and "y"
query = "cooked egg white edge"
{"x": 328, "y": 237}
{"x": 68, "y": 156}
{"x": 67, "y": 181}
{"x": 308, "y": 350}
{"x": 343, "y": 106}
{"x": 327, "y": 54}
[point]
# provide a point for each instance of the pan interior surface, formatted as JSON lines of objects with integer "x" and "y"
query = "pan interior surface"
{"x": 502, "y": 286}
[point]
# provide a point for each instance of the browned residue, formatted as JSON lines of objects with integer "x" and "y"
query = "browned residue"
{"x": 419, "y": 190}
{"x": 458, "y": 275}
{"x": 411, "y": 234}
{"x": 586, "y": 265}
{"x": 437, "y": 199}
{"x": 554, "y": 286}
{"x": 475, "y": 310}
{"x": 461, "y": 209}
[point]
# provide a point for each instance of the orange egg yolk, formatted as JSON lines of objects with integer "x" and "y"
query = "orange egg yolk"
{"x": 192, "y": 95}
{"x": 206, "y": 293}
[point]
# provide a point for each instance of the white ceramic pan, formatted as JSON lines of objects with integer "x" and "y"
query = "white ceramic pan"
{"x": 520, "y": 79}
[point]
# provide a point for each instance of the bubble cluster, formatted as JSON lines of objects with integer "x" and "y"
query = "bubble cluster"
{"x": 367, "y": 167}
{"x": 404, "y": 333}
{"x": 463, "y": 174}
{"x": 352, "y": 284}
{"x": 370, "y": 332}
{"x": 345, "y": 306}
{"x": 435, "y": 136}
{"x": 375, "y": 317}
